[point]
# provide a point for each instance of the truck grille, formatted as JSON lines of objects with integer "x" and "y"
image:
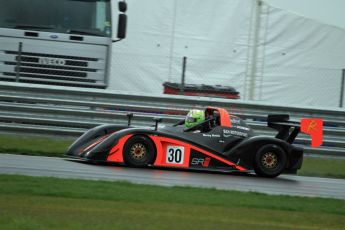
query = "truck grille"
{"x": 51, "y": 69}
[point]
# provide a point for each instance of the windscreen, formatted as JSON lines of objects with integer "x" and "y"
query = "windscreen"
{"x": 86, "y": 17}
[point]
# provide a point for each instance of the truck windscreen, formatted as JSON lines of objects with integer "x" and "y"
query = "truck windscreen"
{"x": 85, "y": 17}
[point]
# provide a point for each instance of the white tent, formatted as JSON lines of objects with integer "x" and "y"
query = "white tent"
{"x": 266, "y": 53}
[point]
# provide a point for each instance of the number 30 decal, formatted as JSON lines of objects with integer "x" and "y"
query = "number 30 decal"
{"x": 175, "y": 155}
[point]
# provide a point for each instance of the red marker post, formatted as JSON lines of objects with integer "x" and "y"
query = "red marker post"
{"x": 313, "y": 127}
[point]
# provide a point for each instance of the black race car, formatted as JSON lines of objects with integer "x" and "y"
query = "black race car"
{"x": 222, "y": 142}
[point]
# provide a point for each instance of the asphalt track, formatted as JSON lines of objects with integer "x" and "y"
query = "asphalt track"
{"x": 62, "y": 168}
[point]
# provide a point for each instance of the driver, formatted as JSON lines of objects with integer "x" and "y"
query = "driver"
{"x": 194, "y": 117}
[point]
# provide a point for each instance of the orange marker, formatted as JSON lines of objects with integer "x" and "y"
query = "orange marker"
{"x": 313, "y": 127}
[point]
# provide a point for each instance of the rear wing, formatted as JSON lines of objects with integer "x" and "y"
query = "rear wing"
{"x": 288, "y": 130}
{"x": 282, "y": 123}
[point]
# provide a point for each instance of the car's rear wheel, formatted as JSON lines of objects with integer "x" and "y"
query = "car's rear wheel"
{"x": 270, "y": 161}
{"x": 139, "y": 151}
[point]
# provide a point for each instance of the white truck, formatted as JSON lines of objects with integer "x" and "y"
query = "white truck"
{"x": 59, "y": 42}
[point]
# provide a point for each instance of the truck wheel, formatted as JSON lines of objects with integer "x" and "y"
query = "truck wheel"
{"x": 139, "y": 151}
{"x": 270, "y": 161}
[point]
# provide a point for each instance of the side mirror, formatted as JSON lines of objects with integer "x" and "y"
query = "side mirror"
{"x": 122, "y": 7}
{"x": 122, "y": 26}
{"x": 122, "y": 21}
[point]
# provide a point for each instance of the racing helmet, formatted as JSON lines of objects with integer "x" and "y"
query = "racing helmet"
{"x": 194, "y": 117}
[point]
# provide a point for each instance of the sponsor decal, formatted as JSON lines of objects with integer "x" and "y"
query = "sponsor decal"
{"x": 211, "y": 135}
{"x": 204, "y": 162}
{"x": 228, "y": 133}
{"x": 313, "y": 127}
{"x": 235, "y": 121}
{"x": 51, "y": 61}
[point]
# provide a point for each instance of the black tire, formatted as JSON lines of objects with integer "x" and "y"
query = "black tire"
{"x": 139, "y": 151}
{"x": 270, "y": 161}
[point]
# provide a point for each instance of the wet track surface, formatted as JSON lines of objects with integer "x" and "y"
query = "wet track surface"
{"x": 284, "y": 184}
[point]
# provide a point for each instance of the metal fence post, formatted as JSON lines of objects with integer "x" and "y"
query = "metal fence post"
{"x": 254, "y": 52}
{"x": 183, "y": 75}
{"x": 341, "y": 101}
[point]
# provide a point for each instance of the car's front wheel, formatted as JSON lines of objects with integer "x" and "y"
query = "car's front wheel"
{"x": 270, "y": 161}
{"x": 139, "y": 151}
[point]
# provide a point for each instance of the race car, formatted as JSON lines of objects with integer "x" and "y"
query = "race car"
{"x": 209, "y": 139}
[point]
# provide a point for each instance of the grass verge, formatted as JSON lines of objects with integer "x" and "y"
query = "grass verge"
{"x": 50, "y": 203}
{"x": 41, "y": 146}
{"x": 33, "y": 145}
{"x": 319, "y": 167}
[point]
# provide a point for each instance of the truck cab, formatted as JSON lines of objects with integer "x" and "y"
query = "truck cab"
{"x": 59, "y": 42}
